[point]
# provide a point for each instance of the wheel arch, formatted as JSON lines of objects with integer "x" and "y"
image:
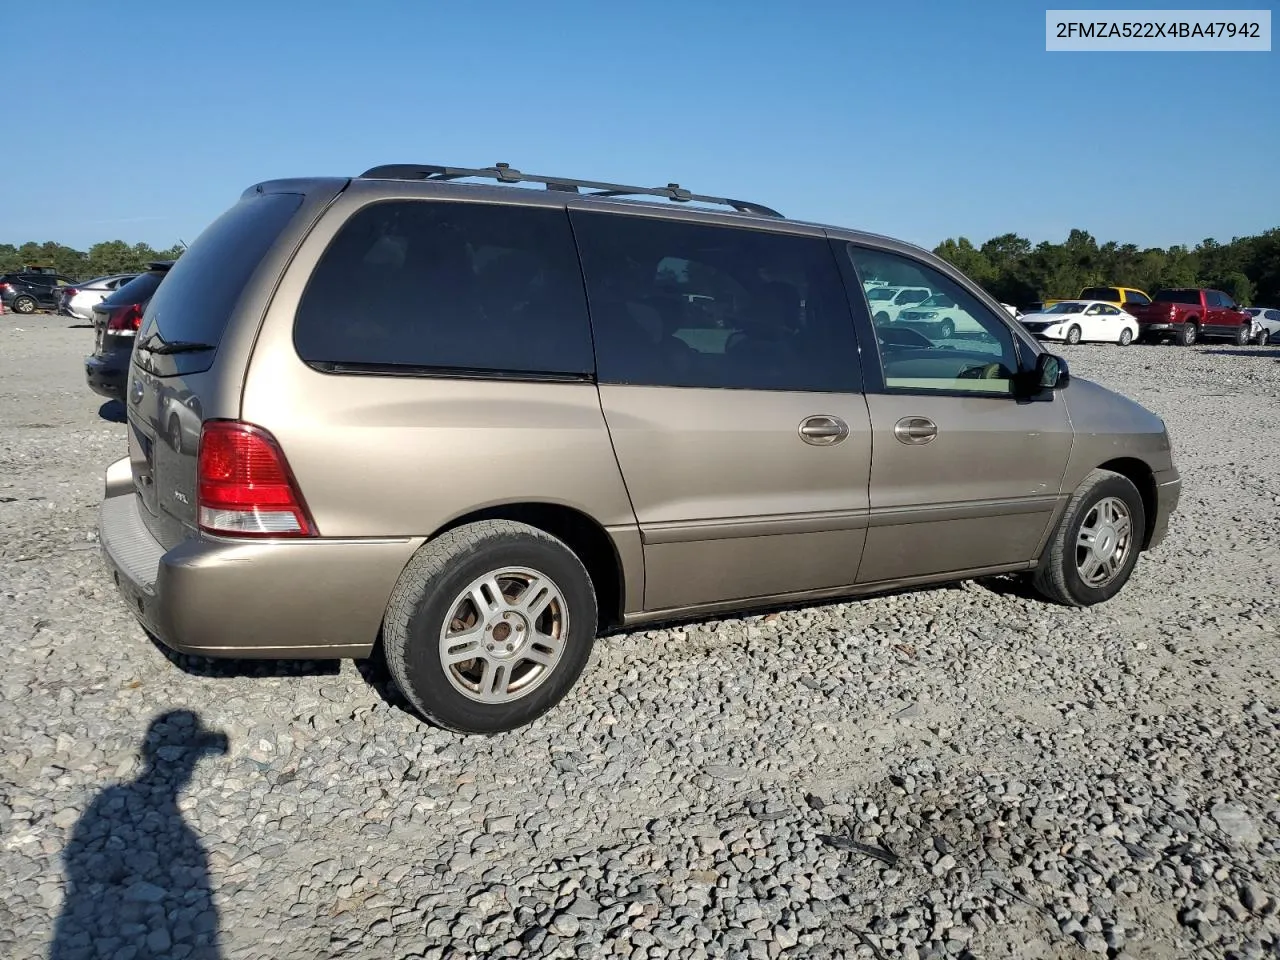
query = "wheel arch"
{"x": 1140, "y": 475}
{"x": 581, "y": 533}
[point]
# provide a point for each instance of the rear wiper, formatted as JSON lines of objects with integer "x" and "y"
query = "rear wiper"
{"x": 172, "y": 346}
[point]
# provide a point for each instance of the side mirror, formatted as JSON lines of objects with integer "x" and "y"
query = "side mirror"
{"x": 1051, "y": 371}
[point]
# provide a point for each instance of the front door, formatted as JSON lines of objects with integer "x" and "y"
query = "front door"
{"x": 964, "y": 476}
{"x": 728, "y": 376}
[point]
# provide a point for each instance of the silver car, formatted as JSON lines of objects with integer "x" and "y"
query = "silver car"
{"x": 1266, "y": 325}
{"x": 78, "y": 300}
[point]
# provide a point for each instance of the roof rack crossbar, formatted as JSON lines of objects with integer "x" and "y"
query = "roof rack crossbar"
{"x": 504, "y": 173}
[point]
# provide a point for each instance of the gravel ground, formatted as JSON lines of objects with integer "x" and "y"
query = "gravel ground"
{"x": 955, "y": 772}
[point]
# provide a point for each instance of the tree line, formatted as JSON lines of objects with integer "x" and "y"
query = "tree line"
{"x": 102, "y": 259}
{"x": 1014, "y": 271}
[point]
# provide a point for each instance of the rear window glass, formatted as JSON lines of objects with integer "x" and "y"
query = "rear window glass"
{"x": 1178, "y": 296}
{"x": 1100, "y": 293}
{"x": 449, "y": 286}
{"x": 138, "y": 290}
{"x": 200, "y": 291}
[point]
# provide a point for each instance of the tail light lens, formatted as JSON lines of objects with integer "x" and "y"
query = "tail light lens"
{"x": 69, "y": 291}
{"x": 244, "y": 485}
{"x": 125, "y": 320}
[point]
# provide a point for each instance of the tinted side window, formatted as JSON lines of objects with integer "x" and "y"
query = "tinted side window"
{"x": 961, "y": 348}
{"x": 1273, "y": 314}
{"x": 453, "y": 286}
{"x": 682, "y": 304}
{"x": 1188, "y": 297}
{"x": 1134, "y": 297}
{"x": 1100, "y": 293}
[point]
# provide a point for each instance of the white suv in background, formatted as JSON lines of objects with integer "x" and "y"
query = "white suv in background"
{"x": 1266, "y": 325}
{"x": 887, "y": 302}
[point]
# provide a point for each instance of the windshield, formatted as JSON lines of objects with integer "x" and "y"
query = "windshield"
{"x": 938, "y": 300}
{"x": 1067, "y": 306}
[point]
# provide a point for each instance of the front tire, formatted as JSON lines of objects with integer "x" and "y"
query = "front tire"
{"x": 489, "y": 626}
{"x": 1126, "y": 337}
{"x": 1073, "y": 335}
{"x": 948, "y": 330}
{"x": 1093, "y": 550}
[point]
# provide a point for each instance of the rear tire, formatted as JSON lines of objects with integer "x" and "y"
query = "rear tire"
{"x": 1242, "y": 336}
{"x": 1073, "y": 335}
{"x": 1189, "y": 335}
{"x": 1074, "y": 572}
{"x": 431, "y": 618}
{"x": 24, "y": 305}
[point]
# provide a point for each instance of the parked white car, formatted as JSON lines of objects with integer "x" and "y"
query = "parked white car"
{"x": 1073, "y": 321}
{"x": 939, "y": 317}
{"x": 1266, "y": 322}
{"x": 78, "y": 299}
{"x": 887, "y": 302}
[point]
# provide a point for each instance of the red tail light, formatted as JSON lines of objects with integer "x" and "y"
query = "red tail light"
{"x": 125, "y": 320}
{"x": 69, "y": 291}
{"x": 244, "y": 485}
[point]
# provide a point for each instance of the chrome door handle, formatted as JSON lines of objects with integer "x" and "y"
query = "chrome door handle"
{"x": 822, "y": 430}
{"x": 915, "y": 430}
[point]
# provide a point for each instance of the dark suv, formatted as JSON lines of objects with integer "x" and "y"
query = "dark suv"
{"x": 28, "y": 292}
{"x": 115, "y": 328}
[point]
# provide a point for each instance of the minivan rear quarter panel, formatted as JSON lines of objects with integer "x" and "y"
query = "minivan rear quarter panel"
{"x": 405, "y": 456}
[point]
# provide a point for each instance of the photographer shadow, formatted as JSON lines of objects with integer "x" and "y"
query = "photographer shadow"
{"x": 136, "y": 874}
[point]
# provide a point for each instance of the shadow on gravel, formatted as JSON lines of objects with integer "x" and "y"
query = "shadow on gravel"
{"x": 137, "y": 876}
{"x": 1010, "y": 585}
{"x": 79, "y": 326}
{"x": 217, "y": 667}
{"x": 1246, "y": 352}
{"x": 112, "y": 410}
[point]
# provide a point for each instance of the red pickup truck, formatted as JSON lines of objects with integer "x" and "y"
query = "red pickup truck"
{"x": 1188, "y": 314}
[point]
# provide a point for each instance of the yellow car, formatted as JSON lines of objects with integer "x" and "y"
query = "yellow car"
{"x": 1117, "y": 296}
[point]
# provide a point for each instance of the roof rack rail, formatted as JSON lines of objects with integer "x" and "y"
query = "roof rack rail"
{"x": 504, "y": 173}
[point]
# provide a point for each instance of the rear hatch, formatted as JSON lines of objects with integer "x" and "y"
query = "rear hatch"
{"x": 116, "y": 318}
{"x": 174, "y": 376}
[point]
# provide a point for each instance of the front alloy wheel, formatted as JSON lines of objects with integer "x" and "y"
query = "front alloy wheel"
{"x": 1104, "y": 542}
{"x": 1094, "y": 548}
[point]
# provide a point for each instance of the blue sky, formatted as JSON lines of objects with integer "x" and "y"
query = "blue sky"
{"x": 922, "y": 120}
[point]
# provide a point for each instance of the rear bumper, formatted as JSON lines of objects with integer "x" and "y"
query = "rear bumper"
{"x": 1168, "y": 492}
{"x": 106, "y": 375}
{"x": 320, "y": 599}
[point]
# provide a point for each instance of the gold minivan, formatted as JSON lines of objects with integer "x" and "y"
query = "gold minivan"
{"x": 477, "y": 424}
